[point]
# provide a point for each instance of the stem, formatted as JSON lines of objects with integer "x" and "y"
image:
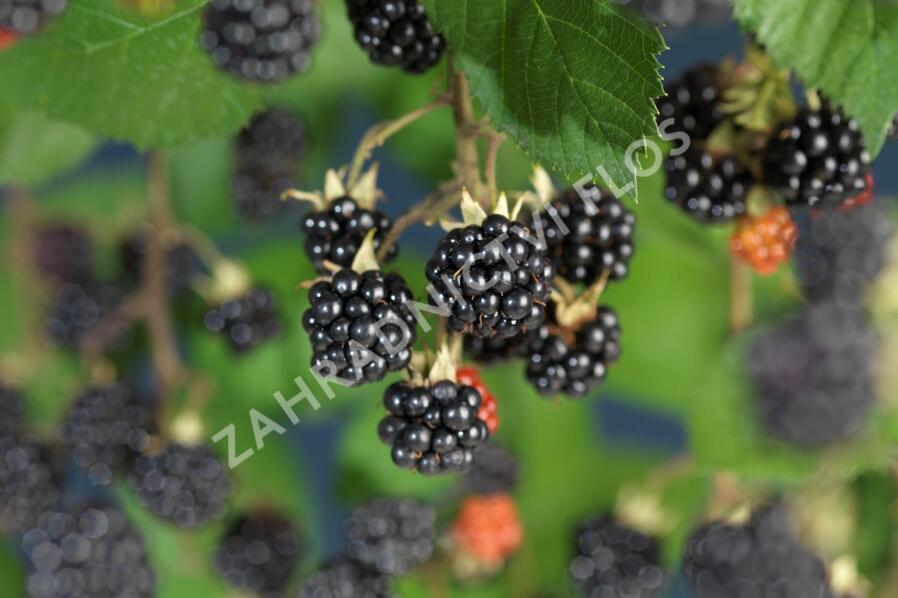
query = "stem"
{"x": 436, "y": 203}
{"x": 492, "y": 155}
{"x": 467, "y": 162}
{"x": 740, "y": 295}
{"x": 129, "y": 311}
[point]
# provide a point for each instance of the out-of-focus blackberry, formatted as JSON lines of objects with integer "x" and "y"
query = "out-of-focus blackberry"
{"x": 495, "y": 278}
{"x": 335, "y": 234}
{"x": 709, "y": 189}
{"x": 594, "y": 243}
{"x": 574, "y": 366}
{"x": 433, "y": 429}
{"x": 181, "y": 263}
{"x": 258, "y": 553}
{"x": 247, "y": 321}
{"x": 495, "y": 471}
{"x": 391, "y": 536}
{"x": 818, "y": 159}
{"x": 106, "y": 428}
{"x": 841, "y": 253}
{"x": 89, "y": 552}
{"x": 692, "y": 101}
{"x": 493, "y": 350}
{"x": 25, "y": 17}
{"x": 396, "y": 33}
{"x": 185, "y": 485}
{"x": 64, "y": 253}
{"x": 12, "y": 412}
{"x": 28, "y": 483}
{"x": 345, "y": 578}
{"x": 76, "y": 308}
{"x": 615, "y": 560}
{"x": 360, "y": 326}
{"x": 813, "y": 375}
{"x": 260, "y": 40}
{"x": 760, "y": 558}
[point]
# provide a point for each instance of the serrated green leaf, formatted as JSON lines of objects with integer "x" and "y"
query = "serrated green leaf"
{"x": 126, "y": 76}
{"x": 573, "y": 81}
{"x": 846, "y": 48}
{"x": 34, "y": 148}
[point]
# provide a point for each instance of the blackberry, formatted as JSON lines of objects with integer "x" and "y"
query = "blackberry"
{"x": 87, "y": 552}
{"x": 615, "y": 560}
{"x": 76, "y": 308}
{"x": 337, "y": 233}
{"x": 709, "y": 189}
{"x": 181, "y": 263}
{"x": 693, "y": 102}
{"x": 841, "y": 253}
{"x": 12, "y": 412}
{"x": 25, "y": 17}
{"x": 247, "y": 321}
{"x": 106, "y": 428}
{"x": 812, "y": 375}
{"x": 28, "y": 483}
{"x": 258, "y": 553}
{"x": 495, "y": 471}
{"x": 495, "y": 278}
{"x": 390, "y": 536}
{"x": 185, "y": 485}
{"x": 493, "y": 350}
{"x": 396, "y": 33}
{"x": 344, "y": 578}
{"x": 760, "y": 558}
{"x": 433, "y": 429}
{"x": 360, "y": 326}
{"x": 260, "y": 40}
{"x": 574, "y": 363}
{"x": 594, "y": 243}
{"x": 818, "y": 159}
{"x": 64, "y": 253}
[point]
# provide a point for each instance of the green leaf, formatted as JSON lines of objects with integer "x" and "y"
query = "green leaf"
{"x": 846, "y": 48}
{"x": 126, "y": 76}
{"x": 34, "y": 148}
{"x": 572, "y": 81}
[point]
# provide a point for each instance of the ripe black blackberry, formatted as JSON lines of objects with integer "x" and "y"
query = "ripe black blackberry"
{"x": 345, "y": 578}
{"x": 709, "y": 189}
{"x": 396, "y": 33}
{"x": 106, "y": 428}
{"x": 258, "y": 553}
{"x": 184, "y": 485}
{"x": 493, "y": 350}
{"x": 64, "y": 253}
{"x": 471, "y": 274}
{"x": 813, "y": 375}
{"x": 247, "y": 321}
{"x": 260, "y": 40}
{"x": 181, "y": 263}
{"x": 28, "y": 483}
{"x": 760, "y": 558}
{"x": 433, "y": 429}
{"x": 25, "y": 17}
{"x": 818, "y": 159}
{"x": 77, "y": 308}
{"x": 574, "y": 363}
{"x": 494, "y": 472}
{"x": 92, "y": 551}
{"x": 841, "y": 253}
{"x": 12, "y": 412}
{"x": 337, "y": 233}
{"x": 390, "y": 536}
{"x": 360, "y": 326}
{"x": 594, "y": 243}
{"x": 615, "y": 560}
{"x": 693, "y": 102}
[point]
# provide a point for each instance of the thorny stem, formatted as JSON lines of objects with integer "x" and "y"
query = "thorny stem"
{"x": 436, "y": 203}
{"x": 467, "y": 161}
{"x": 740, "y": 295}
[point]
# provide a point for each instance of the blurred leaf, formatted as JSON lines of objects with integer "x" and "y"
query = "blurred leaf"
{"x": 877, "y": 493}
{"x": 12, "y": 570}
{"x": 34, "y": 148}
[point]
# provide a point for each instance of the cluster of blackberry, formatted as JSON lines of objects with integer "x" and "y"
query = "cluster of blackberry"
{"x": 181, "y": 263}
{"x": 24, "y": 17}
{"x": 495, "y": 471}
{"x": 63, "y": 253}
{"x": 335, "y": 234}
{"x": 396, "y": 33}
{"x": 360, "y": 326}
{"x": 29, "y": 484}
{"x": 693, "y": 102}
{"x": 267, "y": 155}
{"x": 247, "y": 321}
{"x": 75, "y": 308}
{"x": 260, "y": 40}
{"x": 615, "y": 560}
{"x": 707, "y": 188}
{"x": 433, "y": 429}
{"x": 345, "y": 578}
{"x": 760, "y": 558}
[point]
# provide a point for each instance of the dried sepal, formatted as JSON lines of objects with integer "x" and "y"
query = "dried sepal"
{"x": 365, "y": 191}
{"x": 229, "y": 280}
{"x": 443, "y": 366}
{"x": 471, "y": 211}
{"x": 366, "y": 257}
{"x": 642, "y": 510}
{"x": 542, "y": 185}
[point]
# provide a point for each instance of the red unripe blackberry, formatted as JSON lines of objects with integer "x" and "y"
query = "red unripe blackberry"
{"x": 12, "y": 412}
{"x": 25, "y": 17}
{"x": 692, "y": 101}
{"x": 335, "y": 234}
{"x": 260, "y": 40}
{"x": 28, "y": 483}
{"x": 599, "y": 236}
{"x": 396, "y": 33}
{"x": 76, "y": 308}
{"x": 247, "y": 321}
{"x": 708, "y": 188}
{"x": 64, "y": 253}
{"x": 818, "y": 159}
{"x": 7, "y": 38}
{"x": 862, "y": 198}
{"x": 390, "y": 536}
{"x": 765, "y": 242}
{"x": 489, "y": 408}
{"x": 488, "y": 528}
{"x": 345, "y": 578}
{"x": 494, "y": 471}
